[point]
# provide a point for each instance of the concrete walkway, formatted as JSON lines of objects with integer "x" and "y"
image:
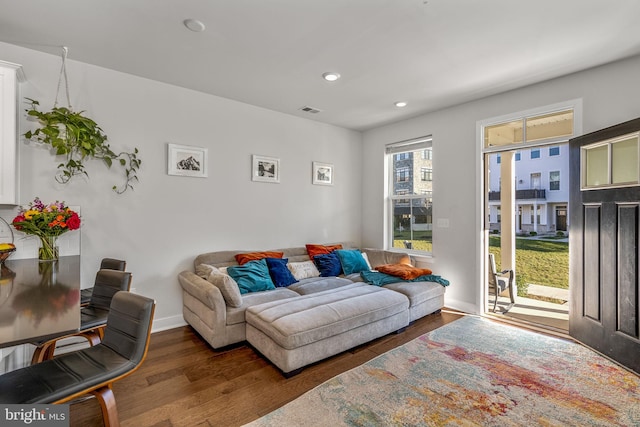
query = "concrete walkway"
{"x": 548, "y": 291}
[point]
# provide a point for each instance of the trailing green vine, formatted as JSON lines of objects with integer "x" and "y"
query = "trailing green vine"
{"x": 77, "y": 137}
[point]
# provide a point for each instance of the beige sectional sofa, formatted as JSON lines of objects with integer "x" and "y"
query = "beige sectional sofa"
{"x": 307, "y": 321}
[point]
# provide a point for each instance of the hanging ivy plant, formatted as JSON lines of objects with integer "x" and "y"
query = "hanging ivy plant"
{"x": 77, "y": 137}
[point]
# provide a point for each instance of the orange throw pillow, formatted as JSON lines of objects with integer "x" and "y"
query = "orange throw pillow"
{"x": 314, "y": 250}
{"x": 254, "y": 256}
{"x": 403, "y": 271}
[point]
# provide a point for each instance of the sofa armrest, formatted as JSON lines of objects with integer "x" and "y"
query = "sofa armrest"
{"x": 203, "y": 291}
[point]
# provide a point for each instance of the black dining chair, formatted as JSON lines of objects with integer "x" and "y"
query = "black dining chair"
{"x": 105, "y": 264}
{"x": 91, "y": 370}
{"x": 93, "y": 317}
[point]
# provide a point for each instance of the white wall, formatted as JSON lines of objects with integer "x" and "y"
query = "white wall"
{"x": 167, "y": 220}
{"x": 610, "y": 95}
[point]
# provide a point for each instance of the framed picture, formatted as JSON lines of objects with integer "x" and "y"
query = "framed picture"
{"x": 322, "y": 173}
{"x": 184, "y": 160}
{"x": 265, "y": 169}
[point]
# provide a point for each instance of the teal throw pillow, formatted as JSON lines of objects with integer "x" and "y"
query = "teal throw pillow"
{"x": 352, "y": 261}
{"x": 252, "y": 276}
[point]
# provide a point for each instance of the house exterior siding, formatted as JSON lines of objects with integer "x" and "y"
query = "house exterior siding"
{"x": 542, "y": 190}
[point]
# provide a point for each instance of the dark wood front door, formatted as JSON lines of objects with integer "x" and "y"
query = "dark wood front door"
{"x": 561, "y": 219}
{"x": 604, "y": 239}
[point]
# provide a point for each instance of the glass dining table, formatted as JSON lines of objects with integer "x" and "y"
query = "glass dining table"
{"x": 38, "y": 300}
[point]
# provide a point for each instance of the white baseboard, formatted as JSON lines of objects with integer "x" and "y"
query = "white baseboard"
{"x": 460, "y": 305}
{"x": 168, "y": 323}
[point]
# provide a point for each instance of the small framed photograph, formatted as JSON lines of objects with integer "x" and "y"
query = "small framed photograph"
{"x": 185, "y": 160}
{"x": 322, "y": 173}
{"x": 265, "y": 169}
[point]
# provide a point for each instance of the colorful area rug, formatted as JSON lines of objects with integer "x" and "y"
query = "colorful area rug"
{"x": 473, "y": 372}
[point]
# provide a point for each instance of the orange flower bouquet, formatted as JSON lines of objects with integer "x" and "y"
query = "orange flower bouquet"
{"x": 47, "y": 222}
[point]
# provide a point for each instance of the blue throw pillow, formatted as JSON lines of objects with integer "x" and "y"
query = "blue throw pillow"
{"x": 279, "y": 272}
{"x": 252, "y": 276}
{"x": 352, "y": 261}
{"x": 328, "y": 264}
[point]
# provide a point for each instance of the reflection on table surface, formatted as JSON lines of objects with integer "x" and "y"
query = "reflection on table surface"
{"x": 38, "y": 299}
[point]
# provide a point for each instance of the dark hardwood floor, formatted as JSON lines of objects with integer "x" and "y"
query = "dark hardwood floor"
{"x": 184, "y": 382}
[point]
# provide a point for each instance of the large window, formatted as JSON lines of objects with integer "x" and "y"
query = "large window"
{"x": 411, "y": 194}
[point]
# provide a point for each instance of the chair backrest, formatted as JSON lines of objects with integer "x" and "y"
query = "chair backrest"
{"x": 492, "y": 269}
{"x": 107, "y": 283}
{"x": 129, "y": 325}
{"x": 113, "y": 264}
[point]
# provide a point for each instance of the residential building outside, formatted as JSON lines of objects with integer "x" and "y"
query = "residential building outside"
{"x": 542, "y": 190}
{"x": 412, "y": 177}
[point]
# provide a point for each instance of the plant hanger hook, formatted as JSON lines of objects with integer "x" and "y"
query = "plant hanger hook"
{"x": 63, "y": 73}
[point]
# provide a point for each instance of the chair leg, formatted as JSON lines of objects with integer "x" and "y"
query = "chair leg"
{"x": 107, "y": 405}
{"x": 495, "y": 302}
{"x": 512, "y": 293}
{"x": 512, "y": 296}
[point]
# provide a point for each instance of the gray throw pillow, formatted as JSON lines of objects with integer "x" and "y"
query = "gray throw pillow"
{"x": 228, "y": 287}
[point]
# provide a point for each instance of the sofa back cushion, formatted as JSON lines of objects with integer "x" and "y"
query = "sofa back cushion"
{"x": 379, "y": 257}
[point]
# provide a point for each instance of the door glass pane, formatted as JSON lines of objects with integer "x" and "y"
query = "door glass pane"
{"x": 624, "y": 165}
{"x": 596, "y": 165}
{"x": 552, "y": 125}
{"x": 503, "y": 134}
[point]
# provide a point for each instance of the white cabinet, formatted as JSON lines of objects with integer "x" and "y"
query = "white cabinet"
{"x": 10, "y": 76}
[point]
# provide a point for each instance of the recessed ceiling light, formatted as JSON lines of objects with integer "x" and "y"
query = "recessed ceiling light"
{"x": 194, "y": 25}
{"x": 331, "y": 77}
{"x": 400, "y": 104}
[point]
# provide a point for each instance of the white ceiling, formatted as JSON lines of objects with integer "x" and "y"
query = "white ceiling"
{"x": 272, "y": 53}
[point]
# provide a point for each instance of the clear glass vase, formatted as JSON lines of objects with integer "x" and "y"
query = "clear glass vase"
{"x": 48, "y": 250}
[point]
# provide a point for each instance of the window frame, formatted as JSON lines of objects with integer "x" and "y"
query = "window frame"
{"x": 551, "y": 181}
{"x": 574, "y": 104}
{"x": 426, "y": 173}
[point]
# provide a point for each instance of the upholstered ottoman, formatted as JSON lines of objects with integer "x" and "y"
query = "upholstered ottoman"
{"x": 295, "y": 332}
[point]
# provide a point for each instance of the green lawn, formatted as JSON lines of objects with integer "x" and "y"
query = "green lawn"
{"x": 420, "y": 245}
{"x": 537, "y": 261}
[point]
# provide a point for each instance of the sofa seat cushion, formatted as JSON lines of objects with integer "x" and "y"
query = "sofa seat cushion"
{"x": 417, "y": 292}
{"x": 354, "y": 277}
{"x": 318, "y": 284}
{"x": 311, "y": 318}
{"x": 237, "y": 314}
